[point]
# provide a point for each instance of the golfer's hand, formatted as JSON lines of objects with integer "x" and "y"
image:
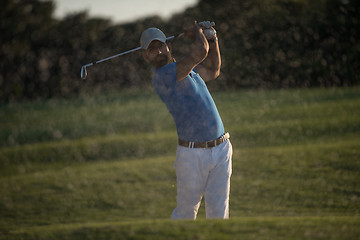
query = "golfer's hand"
{"x": 190, "y": 29}
{"x": 208, "y": 30}
{"x": 210, "y": 33}
{"x": 206, "y": 24}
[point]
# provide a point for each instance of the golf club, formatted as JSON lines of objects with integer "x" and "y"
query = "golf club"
{"x": 83, "y": 73}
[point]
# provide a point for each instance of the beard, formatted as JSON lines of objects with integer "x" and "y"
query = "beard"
{"x": 162, "y": 60}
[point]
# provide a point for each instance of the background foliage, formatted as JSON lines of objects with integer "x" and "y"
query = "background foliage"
{"x": 264, "y": 44}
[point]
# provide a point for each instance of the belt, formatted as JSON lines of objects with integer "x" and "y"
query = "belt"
{"x": 208, "y": 144}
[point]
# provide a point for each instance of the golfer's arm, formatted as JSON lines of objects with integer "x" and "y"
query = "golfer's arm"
{"x": 209, "y": 69}
{"x": 199, "y": 51}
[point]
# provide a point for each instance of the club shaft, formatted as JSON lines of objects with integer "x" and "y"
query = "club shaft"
{"x": 118, "y": 55}
{"x": 83, "y": 68}
{"x": 123, "y": 53}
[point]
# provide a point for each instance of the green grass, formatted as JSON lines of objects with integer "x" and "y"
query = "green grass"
{"x": 256, "y": 228}
{"x": 102, "y": 167}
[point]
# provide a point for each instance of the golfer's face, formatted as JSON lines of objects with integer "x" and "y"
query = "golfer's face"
{"x": 158, "y": 54}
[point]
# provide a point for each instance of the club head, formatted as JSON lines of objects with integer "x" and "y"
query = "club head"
{"x": 83, "y": 73}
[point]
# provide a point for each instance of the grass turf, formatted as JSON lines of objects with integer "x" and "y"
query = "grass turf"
{"x": 102, "y": 167}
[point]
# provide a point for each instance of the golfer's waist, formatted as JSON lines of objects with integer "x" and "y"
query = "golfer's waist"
{"x": 207, "y": 144}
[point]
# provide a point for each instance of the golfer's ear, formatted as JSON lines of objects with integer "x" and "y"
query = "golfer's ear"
{"x": 145, "y": 56}
{"x": 170, "y": 46}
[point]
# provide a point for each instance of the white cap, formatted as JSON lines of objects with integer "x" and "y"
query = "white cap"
{"x": 150, "y": 35}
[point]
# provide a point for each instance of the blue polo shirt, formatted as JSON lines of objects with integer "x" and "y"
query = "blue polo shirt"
{"x": 190, "y": 104}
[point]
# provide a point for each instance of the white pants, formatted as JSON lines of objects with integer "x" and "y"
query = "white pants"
{"x": 203, "y": 172}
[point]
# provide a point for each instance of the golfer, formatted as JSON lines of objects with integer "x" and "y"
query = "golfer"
{"x": 204, "y": 152}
